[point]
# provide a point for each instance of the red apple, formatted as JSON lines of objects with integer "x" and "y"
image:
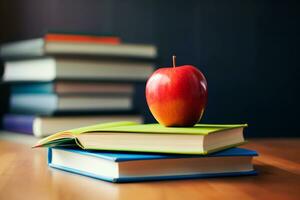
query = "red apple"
{"x": 177, "y": 96}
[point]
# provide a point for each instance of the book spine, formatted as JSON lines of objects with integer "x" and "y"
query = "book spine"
{"x": 42, "y": 88}
{"x": 18, "y": 123}
{"x": 55, "y": 37}
{"x": 37, "y": 104}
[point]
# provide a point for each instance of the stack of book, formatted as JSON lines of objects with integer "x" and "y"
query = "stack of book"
{"x": 128, "y": 152}
{"x": 64, "y": 81}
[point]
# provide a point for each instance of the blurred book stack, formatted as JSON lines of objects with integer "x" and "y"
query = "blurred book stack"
{"x": 64, "y": 81}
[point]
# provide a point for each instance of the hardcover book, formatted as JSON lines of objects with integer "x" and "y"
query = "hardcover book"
{"x": 125, "y": 167}
{"x": 49, "y": 104}
{"x": 81, "y": 38}
{"x": 68, "y": 44}
{"x": 50, "y": 68}
{"x": 131, "y": 136}
{"x": 73, "y": 87}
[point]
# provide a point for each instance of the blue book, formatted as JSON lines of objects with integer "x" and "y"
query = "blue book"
{"x": 73, "y": 87}
{"x": 51, "y": 104}
{"x": 135, "y": 167}
{"x": 18, "y": 123}
{"x": 34, "y": 88}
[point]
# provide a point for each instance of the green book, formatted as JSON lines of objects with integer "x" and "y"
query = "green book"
{"x": 130, "y": 136}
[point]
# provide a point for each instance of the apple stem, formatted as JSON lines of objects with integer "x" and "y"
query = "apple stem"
{"x": 174, "y": 61}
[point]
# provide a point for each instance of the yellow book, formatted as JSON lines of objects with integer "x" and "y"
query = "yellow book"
{"x": 130, "y": 136}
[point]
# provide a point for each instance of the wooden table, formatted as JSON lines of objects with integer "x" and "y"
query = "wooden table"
{"x": 24, "y": 174}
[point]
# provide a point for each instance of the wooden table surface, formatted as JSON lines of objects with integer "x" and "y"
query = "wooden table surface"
{"x": 24, "y": 174}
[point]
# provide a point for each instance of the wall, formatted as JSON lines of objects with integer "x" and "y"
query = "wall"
{"x": 248, "y": 50}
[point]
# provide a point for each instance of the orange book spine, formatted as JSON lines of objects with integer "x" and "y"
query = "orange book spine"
{"x": 82, "y": 38}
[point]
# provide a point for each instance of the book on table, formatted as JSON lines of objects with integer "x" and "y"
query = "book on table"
{"x": 132, "y": 167}
{"x": 41, "y": 126}
{"x": 131, "y": 136}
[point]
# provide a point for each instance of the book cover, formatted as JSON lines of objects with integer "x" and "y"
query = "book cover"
{"x": 73, "y": 88}
{"x": 18, "y": 123}
{"x": 85, "y": 38}
{"x": 33, "y": 88}
{"x": 50, "y": 104}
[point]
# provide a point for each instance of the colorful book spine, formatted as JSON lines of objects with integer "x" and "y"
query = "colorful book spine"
{"x": 42, "y": 88}
{"x": 18, "y": 123}
{"x": 60, "y": 37}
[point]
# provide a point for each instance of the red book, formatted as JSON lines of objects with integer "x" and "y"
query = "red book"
{"x": 59, "y": 37}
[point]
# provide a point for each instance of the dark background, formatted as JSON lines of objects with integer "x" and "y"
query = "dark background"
{"x": 247, "y": 49}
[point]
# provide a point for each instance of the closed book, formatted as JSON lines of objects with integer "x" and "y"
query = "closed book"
{"x": 18, "y": 123}
{"x": 73, "y": 46}
{"x": 49, "y": 104}
{"x": 50, "y": 68}
{"x": 81, "y": 38}
{"x": 41, "y": 126}
{"x": 125, "y": 167}
{"x": 131, "y": 136}
{"x": 73, "y": 87}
